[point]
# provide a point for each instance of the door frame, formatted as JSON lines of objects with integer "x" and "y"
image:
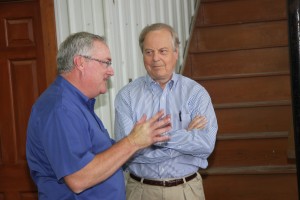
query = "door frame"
{"x": 47, "y": 16}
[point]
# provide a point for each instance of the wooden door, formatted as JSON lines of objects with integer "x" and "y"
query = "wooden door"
{"x": 24, "y": 74}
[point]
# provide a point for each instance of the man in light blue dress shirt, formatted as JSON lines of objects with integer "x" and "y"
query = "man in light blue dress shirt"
{"x": 166, "y": 170}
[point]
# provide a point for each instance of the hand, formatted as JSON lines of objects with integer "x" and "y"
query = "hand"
{"x": 199, "y": 122}
{"x": 146, "y": 132}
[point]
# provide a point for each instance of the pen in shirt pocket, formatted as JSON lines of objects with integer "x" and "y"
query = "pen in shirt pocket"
{"x": 180, "y": 116}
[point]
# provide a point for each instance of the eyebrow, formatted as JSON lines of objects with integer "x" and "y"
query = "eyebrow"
{"x": 157, "y": 49}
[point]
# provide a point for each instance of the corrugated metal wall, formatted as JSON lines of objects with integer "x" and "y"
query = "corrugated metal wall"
{"x": 121, "y": 21}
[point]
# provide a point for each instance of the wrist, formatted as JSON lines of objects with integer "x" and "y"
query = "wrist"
{"x": 132, "y": 142}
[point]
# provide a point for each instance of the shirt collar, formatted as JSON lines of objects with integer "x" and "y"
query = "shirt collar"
{"x": 84, "y": 99}
{"x": 171, "y": 83}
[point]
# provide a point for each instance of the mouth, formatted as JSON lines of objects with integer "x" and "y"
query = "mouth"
{"x": 106, "y": 78}
{"x": 158, "y": 66}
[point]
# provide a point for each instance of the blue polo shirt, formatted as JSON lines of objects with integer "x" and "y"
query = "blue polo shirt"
{"x": 64, "y": 134}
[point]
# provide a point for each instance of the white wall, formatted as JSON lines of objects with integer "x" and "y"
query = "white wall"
{"x": 121, "y": 21}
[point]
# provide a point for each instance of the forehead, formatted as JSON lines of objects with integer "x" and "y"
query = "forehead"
{"x": 100, "y": 49}
{"x": 158, "y": 39}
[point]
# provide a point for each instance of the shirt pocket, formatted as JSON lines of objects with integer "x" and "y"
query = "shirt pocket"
{"x": 181, "y": 121}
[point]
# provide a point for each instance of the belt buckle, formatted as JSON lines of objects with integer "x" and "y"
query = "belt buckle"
{"x": 170, "y": 183}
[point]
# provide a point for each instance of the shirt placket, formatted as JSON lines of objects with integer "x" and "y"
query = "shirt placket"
{"x": 91, "y": 104}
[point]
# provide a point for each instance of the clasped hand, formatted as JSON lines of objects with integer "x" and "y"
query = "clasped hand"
{"x": 199, "y": 122}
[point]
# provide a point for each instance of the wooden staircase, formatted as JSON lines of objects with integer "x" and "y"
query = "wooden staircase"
{"x": 239, "y": 52}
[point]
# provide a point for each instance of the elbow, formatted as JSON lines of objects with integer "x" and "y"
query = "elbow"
{"x": 206, "y": 149}
{"x": 75, "y": 185}
{"x": 76, "y": 188}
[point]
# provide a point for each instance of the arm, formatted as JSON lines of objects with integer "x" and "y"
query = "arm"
{"x": 101, "y": 167}
{"x": 106, "y": 163}
{"x": 95, "y": 168}
{"x": 195, "y": 141}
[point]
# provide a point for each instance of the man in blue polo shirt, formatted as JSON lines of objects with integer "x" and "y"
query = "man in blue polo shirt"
{"x": 69, "y": 151}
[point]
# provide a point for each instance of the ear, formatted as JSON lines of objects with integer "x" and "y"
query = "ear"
{"x": 78, "y": 62}
{"x": 176, "y": 53}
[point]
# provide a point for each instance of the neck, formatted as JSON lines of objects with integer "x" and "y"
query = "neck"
{"x": 74, "y": 78}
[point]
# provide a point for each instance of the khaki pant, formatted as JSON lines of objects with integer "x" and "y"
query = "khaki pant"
{"x": 191, "y": 190}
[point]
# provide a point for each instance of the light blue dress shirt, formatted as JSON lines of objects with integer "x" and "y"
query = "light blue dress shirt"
{"x": 183, "y": 99}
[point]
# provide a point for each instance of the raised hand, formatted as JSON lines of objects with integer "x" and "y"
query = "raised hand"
{"x": 146, "y": 132}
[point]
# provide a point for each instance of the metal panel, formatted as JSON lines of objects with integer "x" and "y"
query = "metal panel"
{"x": 121, "y": 22}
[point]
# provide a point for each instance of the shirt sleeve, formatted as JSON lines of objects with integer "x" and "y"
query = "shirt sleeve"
{"x": 197, "y": 142}
{"x": 66, "y": 143}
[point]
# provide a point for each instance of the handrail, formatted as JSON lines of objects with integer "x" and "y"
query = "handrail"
{"x": 294, "y": 45}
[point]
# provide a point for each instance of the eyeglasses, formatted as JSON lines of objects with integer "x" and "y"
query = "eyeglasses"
{"x": 108, "y": 63}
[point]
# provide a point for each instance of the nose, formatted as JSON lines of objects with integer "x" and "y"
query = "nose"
{"x": 156, "y": 56}
{"x": 110, "y": 71}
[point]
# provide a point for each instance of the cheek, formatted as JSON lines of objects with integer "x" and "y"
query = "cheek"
{"x": 96, "y": 79}
{"x": 171, "y": 63}
{"x": 147, "y": 66}
{"x": 147, "y": 62}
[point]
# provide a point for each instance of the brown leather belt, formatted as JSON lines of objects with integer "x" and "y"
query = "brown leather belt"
{"x": 169, "y": 183}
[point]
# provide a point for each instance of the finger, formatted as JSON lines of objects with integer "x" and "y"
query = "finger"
{"x": 199, "y": 122}
{"x": 162, "y": 138}
{"x": 202, "y": 118}
{"x": 156, "y": 117}
{"x": 142, "y": 120}
{"x": 202, "y": 124}
{"x": 167, "y": 116}
{"x": 162, "y": 130}
{"x": 193, "y": 123}
{"x": 163, "y": 122}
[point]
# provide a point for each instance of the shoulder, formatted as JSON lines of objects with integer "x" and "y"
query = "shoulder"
{"x": 132, "y": 87}
{"x": 189, "y": 83}
{"x": 192, "y": 88}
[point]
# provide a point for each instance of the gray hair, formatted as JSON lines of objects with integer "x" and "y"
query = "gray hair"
{"x": 76, "y": 44}
{"x": 159, "y": 26}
